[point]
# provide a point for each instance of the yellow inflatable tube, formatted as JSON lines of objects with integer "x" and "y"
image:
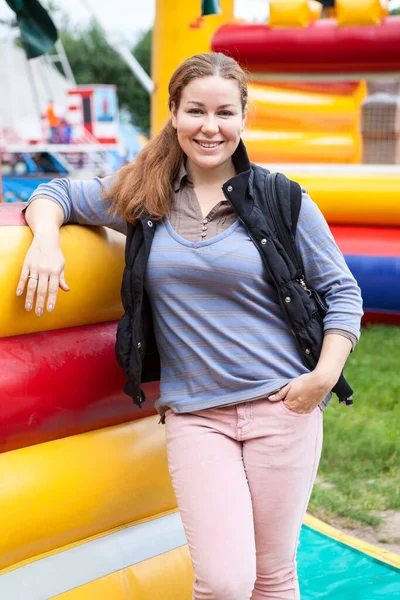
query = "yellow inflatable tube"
{"x": 165, "y": 577}
{"x": 284, "y": 110}
{"x": 66, "y": 490}
{"x": 360, "y": 12}
{"x": 94, "y": 264}
{"x": 353, "y": 199}
{"x": 290, "y": 13}
{"x": 301, "y": 147}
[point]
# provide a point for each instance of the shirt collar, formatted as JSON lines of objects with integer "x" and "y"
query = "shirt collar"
{"x": 182, "y": 175}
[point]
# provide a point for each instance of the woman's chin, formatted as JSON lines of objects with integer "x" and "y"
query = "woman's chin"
{"x": 207, "y": 162}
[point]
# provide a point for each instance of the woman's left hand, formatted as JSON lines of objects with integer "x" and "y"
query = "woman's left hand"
{"x": 304, "y": 393}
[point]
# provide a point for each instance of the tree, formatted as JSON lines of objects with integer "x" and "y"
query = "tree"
{"x": 94, "y": 61}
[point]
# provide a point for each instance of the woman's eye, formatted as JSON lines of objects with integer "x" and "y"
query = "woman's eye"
{"x": 198, "y": 111}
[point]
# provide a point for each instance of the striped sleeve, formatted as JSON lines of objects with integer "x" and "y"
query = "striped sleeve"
{"x": 81, "y": 201}
{"x": 326, "y": 270}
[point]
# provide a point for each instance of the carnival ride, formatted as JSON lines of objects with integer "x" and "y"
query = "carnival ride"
{"x": 51, "y": 126}
{"x": 87, "y": 504}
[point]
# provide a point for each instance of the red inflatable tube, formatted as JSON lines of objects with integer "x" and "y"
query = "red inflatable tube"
{"x": 59, "y": 383}
{"x": 342, "y": 88}
{"x": 323, "y": 47}
{"x": 378, "y": 318}
{"x": 367, "y": 241}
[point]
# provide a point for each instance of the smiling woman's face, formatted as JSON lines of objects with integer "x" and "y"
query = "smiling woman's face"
{"x": 209, "y": 120}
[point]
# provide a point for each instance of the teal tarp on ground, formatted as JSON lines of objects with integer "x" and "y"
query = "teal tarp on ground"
{"x": 331, "y": 570}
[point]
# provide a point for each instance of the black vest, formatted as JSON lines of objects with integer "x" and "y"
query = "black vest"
{"x": 136, "y": 347}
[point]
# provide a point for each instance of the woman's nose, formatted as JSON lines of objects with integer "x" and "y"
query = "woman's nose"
{"x": 210, "y": 125}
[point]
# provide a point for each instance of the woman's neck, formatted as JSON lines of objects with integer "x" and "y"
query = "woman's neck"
{"x": 210, "y": 177}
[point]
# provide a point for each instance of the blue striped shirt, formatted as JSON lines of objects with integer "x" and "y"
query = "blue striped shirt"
{"x": 219, "y": 328}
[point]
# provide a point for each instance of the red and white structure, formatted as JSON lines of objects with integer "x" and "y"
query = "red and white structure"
{"x": 92, "y": 110}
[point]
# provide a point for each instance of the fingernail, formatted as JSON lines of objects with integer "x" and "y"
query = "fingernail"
{"x": 19, "y": 292}
{"x": 39, "y": 311}
{"x": 272, "y": 397}
{"x": 50, "y": 307}
{"x": 28, "y": 306}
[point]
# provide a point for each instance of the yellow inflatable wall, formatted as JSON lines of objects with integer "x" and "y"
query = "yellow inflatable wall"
{"x": 297, "y": 126}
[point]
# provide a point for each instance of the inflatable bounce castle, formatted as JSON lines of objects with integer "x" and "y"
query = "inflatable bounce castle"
{"x": 87, "y": 507}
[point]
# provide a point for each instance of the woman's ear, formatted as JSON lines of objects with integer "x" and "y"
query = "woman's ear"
{"x": 173, "y": 115}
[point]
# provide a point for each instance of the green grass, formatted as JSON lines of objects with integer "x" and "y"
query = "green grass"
{"x": 361, "y": 453}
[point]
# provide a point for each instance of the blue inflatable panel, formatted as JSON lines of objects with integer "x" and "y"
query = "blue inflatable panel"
{"x": 379, "y": 280}
{"x": 332, "y": 570}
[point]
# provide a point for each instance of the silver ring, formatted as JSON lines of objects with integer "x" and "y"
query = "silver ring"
{"x": 35, "y": 278}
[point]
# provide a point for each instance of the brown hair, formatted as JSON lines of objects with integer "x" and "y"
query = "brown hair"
{"x": 146, "y": 186}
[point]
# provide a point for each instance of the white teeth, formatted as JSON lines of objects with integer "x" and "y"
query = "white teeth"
{"x": 211, "y": 145}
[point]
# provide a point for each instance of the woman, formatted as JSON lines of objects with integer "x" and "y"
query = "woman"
{"x": 243, "y": 414}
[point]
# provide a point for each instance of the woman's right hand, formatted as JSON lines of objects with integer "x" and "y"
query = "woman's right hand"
{"x": 42, "y": 274}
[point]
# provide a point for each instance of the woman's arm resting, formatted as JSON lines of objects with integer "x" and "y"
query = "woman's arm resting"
{"x": 52, "y": 205}
{"x": 81, "y": 201}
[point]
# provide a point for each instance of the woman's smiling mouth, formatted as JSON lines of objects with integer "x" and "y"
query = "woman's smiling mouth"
{"x": 207, "y": 145}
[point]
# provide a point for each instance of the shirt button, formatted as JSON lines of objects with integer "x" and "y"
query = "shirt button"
{"x": 203, "y": 235}
{"x": 288, "y": 299}
{"x": 205, "y": 221}
{"x": 229, "y": 188}
{"x": 150, "y": 223}
{"x": 307, "y": 351}
{"x": 263, "y": 241}
{"x": 139, "y": 344}
{"x": 204, "y": 228}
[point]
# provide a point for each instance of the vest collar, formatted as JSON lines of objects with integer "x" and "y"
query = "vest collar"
{"x": 240, "y": 158}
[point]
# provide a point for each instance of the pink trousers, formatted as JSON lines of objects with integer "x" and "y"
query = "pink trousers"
{"x": 243, "y": 476}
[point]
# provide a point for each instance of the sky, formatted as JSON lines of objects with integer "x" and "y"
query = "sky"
{"x": 131, "y": 17}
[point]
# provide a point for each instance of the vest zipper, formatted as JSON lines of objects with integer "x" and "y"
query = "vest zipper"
{"x": 303, "y": 284}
